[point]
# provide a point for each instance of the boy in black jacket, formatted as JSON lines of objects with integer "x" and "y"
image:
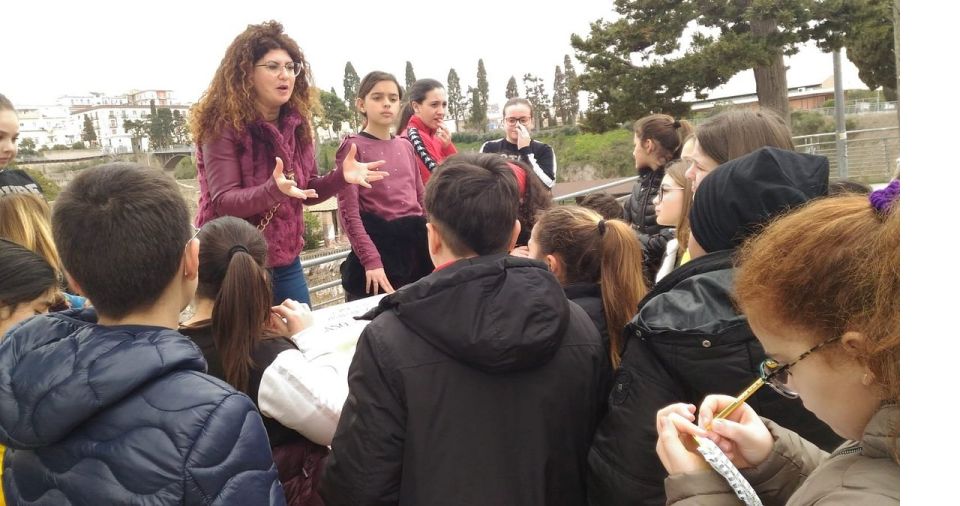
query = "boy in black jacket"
{"x": 480, "y": 383}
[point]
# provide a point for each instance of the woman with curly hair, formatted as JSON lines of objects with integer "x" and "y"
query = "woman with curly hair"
{"x": 255, "y": 151}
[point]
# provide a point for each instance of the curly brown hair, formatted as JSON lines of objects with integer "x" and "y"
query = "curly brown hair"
{"x": 229, "y": 98}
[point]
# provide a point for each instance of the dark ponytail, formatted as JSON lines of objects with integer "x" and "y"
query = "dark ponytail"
{"x": 668, "y": 133}
{"x": 233, "y": 254}
{"x": 418, "y": 93}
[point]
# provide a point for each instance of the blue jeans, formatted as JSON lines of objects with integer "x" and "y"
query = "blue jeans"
{"x": 289, "y": 283}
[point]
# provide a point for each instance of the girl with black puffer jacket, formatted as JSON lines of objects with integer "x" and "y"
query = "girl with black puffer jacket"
{"x": 657, "y": 140}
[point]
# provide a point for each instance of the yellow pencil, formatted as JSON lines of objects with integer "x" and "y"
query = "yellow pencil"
{"x": 725, "y": 412}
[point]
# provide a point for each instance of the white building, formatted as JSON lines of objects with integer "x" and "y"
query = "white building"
{"x": 62, "y": 124}
{"x": 160, "y": 97}
{"x": 94, "y": 98}
{"x": 108, "y": 123}
{"x": 47, "y": 125}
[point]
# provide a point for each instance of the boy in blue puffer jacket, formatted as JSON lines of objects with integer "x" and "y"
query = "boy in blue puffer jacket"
{"x": 113, "y": 407}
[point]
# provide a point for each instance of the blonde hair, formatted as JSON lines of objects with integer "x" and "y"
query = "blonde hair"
{"x": 677, "y": 170}
{"x": 25, "y": 220}
{"x": 596, "y": 250}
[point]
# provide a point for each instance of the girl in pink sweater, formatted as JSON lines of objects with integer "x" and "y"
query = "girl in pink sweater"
{"x": 385, "y": 223}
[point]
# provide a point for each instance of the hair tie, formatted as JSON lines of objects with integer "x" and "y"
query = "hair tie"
{"x": 676, "y": 124}
{"x": 883, "y": 199}
{"x": 521, "y": 178}
{"x": 602, "y": 226}
{"x": 236, "y": 249}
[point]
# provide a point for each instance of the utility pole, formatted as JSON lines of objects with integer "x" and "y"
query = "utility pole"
{"x": 839, "y": 117}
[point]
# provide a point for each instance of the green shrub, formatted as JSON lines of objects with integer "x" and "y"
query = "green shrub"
{"x": 50, "y": 189}
{"x": 326, "y": 153}
{"x": 78, "y": 145}
{"x": 807, "y": 122}
{"x": 311, "y": 231}
{"x": 185, "y": 169}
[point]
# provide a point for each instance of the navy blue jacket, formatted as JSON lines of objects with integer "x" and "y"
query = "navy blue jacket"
{"x": 124, "y": 415}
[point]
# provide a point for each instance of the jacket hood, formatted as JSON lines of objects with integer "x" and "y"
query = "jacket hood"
{"x": 742, "y": 195}
{"x": 692, "y": 299}
{"x": 497, "y": 313}
{"x": 61, "y": 369}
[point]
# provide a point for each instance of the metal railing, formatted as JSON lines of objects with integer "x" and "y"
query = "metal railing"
{"x": 869, "y": 158}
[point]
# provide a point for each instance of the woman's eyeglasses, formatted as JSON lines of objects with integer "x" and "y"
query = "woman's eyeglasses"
{"x": 514, "y": 121}
{"x": 775, "y": 375}
{"x": 274, "y": 68}
{"x": 668, "y": 189}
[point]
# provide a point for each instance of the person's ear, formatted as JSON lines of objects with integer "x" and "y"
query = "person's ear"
{"x": 554, "y": 264}
{"x": 854, "y": 343}
{"x": 649, "y": 146}
{"x": 191, "y": 259}
{"x": 72, "y": 284}
{"x": 434, "y": 241}
{"x": 515, "y": 235}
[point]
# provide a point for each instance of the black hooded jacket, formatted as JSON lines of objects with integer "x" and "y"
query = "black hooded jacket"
{"x": 688, "y": 339}
{"x": 477, "y": 385}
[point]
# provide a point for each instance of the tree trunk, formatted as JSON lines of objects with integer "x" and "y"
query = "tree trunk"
{"x": 771, "y": 79}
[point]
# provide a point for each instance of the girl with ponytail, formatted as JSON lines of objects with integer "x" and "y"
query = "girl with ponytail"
{"x": 254, "y": 347}
{"x": 598, "y": 262}
{"x": 658, "y": 139}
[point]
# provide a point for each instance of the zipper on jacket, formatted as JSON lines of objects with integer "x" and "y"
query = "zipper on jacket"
{"x": 851, "y": 450}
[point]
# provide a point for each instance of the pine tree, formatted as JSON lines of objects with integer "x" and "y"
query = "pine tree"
{"x": 646, "y": 62}
{"x": 559, "y": 97}
{"x": 478, "y": 113}
{"x": 89, "y": 133}
{"x": 512, "y": 88}
{"x": 537, "y": 95}
{"x": 181, "y": 132}
{"x": 483, "y": 87}
{"x": 455, "y": 98}
{"x": 351, "y": 85}
{"x": 410, "y": 77}
{"x": 573, "y": 88}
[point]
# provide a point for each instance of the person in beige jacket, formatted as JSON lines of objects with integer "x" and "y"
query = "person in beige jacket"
{"x": 821, "y": 289}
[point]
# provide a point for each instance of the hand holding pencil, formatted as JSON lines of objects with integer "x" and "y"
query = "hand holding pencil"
{"x": 739, "y": 432}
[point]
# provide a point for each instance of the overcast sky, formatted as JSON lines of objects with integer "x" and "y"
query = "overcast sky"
{"x": 111, "y": 46}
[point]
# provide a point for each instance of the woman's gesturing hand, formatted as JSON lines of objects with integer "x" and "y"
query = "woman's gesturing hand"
{"x": 289, "y": 186}
{"x": 363, "y": 174}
